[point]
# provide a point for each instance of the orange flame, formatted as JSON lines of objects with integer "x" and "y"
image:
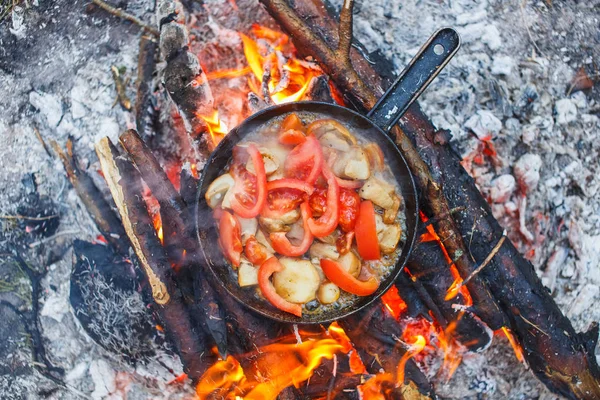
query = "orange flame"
{"x": 413, "y": 349}
{"x": 393, "y": 302}
{"x": 216, "y": 127}
{"x": 455, "y": 288}
{"x": 513, "y": 342}
{"x": 277, "y": 366}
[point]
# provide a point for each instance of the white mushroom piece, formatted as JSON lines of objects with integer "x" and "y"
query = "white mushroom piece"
{"x": 298, "y": 281}
{"x": 352, "y": 164}
{"x": 332, "y": 134}
{"x": 387, "y": 234}
{"x": 281, "y": 224}
{"x": 219, "y": 191}
{"x": 383, "y": 195}
{"x": 247, "y": 273}
{"x": 264, "y": 240}
{"x": 351, "y": 263}
{"x": 319, "y": 251}
{"x": 270, "y": 160}
{"x": 248, "y": 227}
{"x": 328, "y": 293}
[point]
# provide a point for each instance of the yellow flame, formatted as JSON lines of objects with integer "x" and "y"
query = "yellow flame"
{"x": 513, "y": 342}
{"x": 216, "y": 127}
{"x": 413, "y": 349}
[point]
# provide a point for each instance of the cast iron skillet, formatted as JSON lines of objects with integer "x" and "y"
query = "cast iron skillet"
{"x": 426, "y": 65}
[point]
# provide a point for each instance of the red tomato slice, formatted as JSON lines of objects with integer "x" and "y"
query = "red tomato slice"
{"x": 367, "y": 242}
{"x": 292, "y": 137}
{"x": 305, "y": 161}
{"x": 338, "y": 275}
{"x": 282, "y": 201}
{"x": 281, "y": 243}
{"x": 288, "y": 183}
{"x": 240, "y": 201}
{"x": 291, "y": 122}
{"x": 230, "y": 237}
{"x": 318, "y": 201}
{"x": 255, "y": 252}
{"x": 349, "y": 207}
{"x": 265, "y": 271}
{"x": 327, "y": 222}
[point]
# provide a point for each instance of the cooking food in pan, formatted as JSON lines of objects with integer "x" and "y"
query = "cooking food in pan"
{"x": 308, "y": 213}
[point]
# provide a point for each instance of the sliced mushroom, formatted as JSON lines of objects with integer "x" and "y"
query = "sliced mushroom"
{"x": 331, "y": 238}
{"x": 389, "y": 238}
{"x": 351, "y": 263}
{"x": 390, "y": 214}
{"x": 248, "y": 227}
{"x": 322, "y": 250}
{"x": 334, "y": 141}
{"x": 379, "y": 224}
{"x": 379, "y": 192}
{"x": 296, "y": 231}
{"x": 352, "y": 164}
{"x": 264, "y": 240}
{"x": 320, "y": 127}
{"x": 270, "y": 160}
{"x": 247, "y": 273}
{"x": 218, "y": 191}
{"x": 280, "y": 224}
{"x": 375, "y": 156}
{"x": 328, "y": 293}
{"x": 298, "y": 281}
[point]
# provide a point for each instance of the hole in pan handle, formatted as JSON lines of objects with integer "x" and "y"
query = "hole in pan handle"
{"x": 423, "y": 68}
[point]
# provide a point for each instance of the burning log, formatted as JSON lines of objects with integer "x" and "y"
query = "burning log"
{"x": 184, "y": 78}
{"x": 106, "y": 220}
{"x": 561, "y": 358}
{"x": 179, "y": 237}
{"x": 429, "y": 267}
{"x": 125, "y": 186}
{"x": 374, "y": 334}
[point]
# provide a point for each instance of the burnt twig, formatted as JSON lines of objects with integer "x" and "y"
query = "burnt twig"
{"x": 122, "y": 14}
{"x": 121, "y": 87}
{"x": 485, "y": 262}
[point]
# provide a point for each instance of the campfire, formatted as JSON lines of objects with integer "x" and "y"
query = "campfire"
{"x": 460, "y": 288}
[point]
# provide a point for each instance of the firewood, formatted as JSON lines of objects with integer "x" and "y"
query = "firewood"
{"x": 559, "y": 356}
{"x": 372, "y": 332}
{"x": 417, "y": 299}
{"x": 429, "y": 267}
{"x": 125, "y": 186}
{"x": 146, "y": 64}
{"x": 177, "y": 238}
{"x": 188, "y": 187}
{"x": 106, "y": 220}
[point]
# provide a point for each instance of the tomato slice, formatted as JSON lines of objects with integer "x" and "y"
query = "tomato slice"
{"x": 281, "y": 243}
{"x": 241, "y": 202}
{"x": 292, "y": 121}
{"x": 265, "y": 271}
{"x": 318, "y": 201}
{"x": 327, "y": 222}
{"x": 349, "y": 207}
{"x": 230, "y": 237}
{"x": 292, "y": 136}
{"x": 366, "y": 232}
{"x": 289, "y": 183}
{"x": 305, "y": 161}
{"x": 282, "y": 201}
{"x": 338, "y": 275}
{"x": 255, "y": 252}
{"x": 344, "y": 242}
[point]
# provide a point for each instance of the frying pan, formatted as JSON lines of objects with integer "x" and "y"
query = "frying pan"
{"x": 375, "y": 126}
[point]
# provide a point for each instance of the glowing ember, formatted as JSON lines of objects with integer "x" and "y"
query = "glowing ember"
{"x": 393, "y": 302}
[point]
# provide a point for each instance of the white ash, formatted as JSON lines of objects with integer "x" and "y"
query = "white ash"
{"x": 59, "y": 80}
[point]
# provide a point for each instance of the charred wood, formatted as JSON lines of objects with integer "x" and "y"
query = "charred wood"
{"x": 372, "y": 332}
{"x": 104, "y": 217}
{"x": 429, "y": 267}
{"x": 146, "y": 64}
{"x": 560, "y": 357}
{"x": 188, "y": 187}
{"x": 126, "y": 186}
{"x": 417, "y": 300}
{"x": 177, "y": 238}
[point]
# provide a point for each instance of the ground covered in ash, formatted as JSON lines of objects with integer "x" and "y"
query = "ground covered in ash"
{"x": 512, "y": 99}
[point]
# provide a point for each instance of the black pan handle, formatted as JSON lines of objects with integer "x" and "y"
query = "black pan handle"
{"x": 423, "y": 68}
